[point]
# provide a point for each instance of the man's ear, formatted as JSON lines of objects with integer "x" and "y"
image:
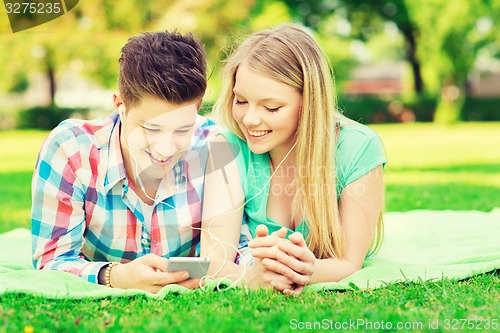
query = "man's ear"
{"x": 118, "y": 102}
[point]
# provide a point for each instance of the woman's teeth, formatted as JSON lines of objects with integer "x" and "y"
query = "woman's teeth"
{"x": 258, "y": 133}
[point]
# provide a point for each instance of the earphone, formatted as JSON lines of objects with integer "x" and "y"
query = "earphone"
{"x": 121, "y": 110}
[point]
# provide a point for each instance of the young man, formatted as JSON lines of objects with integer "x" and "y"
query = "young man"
{"x": 128, "y": 189}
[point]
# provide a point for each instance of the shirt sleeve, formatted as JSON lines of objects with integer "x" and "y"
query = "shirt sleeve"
{"x": 359, "y": 152}
{"x": 242, "y": 155}
{"x": 58, "y": 208}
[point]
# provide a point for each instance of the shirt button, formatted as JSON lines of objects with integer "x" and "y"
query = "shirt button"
{"x": 144, "y": 241}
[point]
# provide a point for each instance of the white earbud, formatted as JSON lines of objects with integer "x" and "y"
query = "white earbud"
{"x": 121, "y": 110}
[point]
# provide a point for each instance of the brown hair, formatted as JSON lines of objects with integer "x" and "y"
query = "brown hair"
{"x": 163, "y": 64}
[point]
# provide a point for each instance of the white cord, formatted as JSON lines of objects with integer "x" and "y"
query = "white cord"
{"x": 236, "y": 209}
{"x": 212, "y": 236}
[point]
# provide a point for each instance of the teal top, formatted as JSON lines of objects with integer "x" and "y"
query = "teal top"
{"x": 359, "y": 150}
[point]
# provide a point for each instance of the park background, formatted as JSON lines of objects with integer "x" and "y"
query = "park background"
{"x": 402, "y": 60}
{"x": 424, "y": 74}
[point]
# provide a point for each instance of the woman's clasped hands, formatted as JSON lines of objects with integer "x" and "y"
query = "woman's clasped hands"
{"x": 285, "y": 264}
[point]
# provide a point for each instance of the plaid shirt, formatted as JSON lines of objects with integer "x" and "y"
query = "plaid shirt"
{"x": 84, "y": 213}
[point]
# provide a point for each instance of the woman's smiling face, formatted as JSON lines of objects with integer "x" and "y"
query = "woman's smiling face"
{"x": 267, "y": 111}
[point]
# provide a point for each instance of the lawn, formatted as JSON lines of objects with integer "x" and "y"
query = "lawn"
{"x": 430, "y": 167}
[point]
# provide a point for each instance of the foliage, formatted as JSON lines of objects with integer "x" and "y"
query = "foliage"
{"x": 440, "y": 39}
{"x": 87, "y": 40}
{"x": 218, "y": 23}
{"x": 421, "y": 109}
{"x": 44, "y": 117}
{"x": 44, "y": 48}
{"x": 367, "y": 21}
{"x": 206, "y": 108}
{"x": 20, "y": 83}
{"x": 458, "y": 45}
{"x": 481, "y": 109}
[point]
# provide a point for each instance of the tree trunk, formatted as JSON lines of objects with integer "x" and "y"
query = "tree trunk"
{"x": 450, "y": 104}
{"x": 52, "y": 83}
{"x": 411, "y": 56}
{"x": 51, "y": 75}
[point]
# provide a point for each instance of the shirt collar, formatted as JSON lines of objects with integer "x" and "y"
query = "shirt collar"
{"x": 180, "y": 177}
{"x": 116, "y": 167}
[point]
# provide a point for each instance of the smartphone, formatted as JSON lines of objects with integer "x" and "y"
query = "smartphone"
{"x": 196, "y": 267}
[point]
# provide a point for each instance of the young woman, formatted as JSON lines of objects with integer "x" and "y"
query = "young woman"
{"x": 307, "y": 172}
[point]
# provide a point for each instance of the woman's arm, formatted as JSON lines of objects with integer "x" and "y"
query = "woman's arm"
{"x": 222, "y": 209}
{"x": 360, "y": 207}
{"x": 223, "y": 201}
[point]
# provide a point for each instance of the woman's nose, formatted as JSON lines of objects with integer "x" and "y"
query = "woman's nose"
{"x": 251, "y": 118}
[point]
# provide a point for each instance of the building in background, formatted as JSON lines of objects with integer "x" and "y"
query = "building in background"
{"x": 385, "y": 78}
{"x": 484, "y": 84}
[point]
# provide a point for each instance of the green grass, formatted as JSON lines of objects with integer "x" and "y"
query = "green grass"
{"x": 430, "y": 167}
{"x": 18, "y": 155}
{"x": 442, "y": 167}
{"x": 262, "y": 311}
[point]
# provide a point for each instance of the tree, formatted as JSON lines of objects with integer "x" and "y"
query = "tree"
{"x": 216, "y": 23}
{"x": 442, "y": 38}
{"x": 93, "y": 33}
{"x": 366, "y": 19}
{"x": 449, "y": 41}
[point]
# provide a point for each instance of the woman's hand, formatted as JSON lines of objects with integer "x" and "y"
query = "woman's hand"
{"x": 289, "y": 258}
{"x": 148, "y": 273}
{"x": 258, "y": 276}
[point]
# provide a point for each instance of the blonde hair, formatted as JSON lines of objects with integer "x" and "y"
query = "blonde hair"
{"x": 288, "y": 54}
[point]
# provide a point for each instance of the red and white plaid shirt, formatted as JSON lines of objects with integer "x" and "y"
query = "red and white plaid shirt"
{"x": 86, "y": 215}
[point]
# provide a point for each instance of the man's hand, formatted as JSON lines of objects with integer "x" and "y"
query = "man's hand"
{"x": 149, "y": 273}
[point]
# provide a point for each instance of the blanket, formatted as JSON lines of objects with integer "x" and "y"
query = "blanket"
{"x": 420, "y": 245}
